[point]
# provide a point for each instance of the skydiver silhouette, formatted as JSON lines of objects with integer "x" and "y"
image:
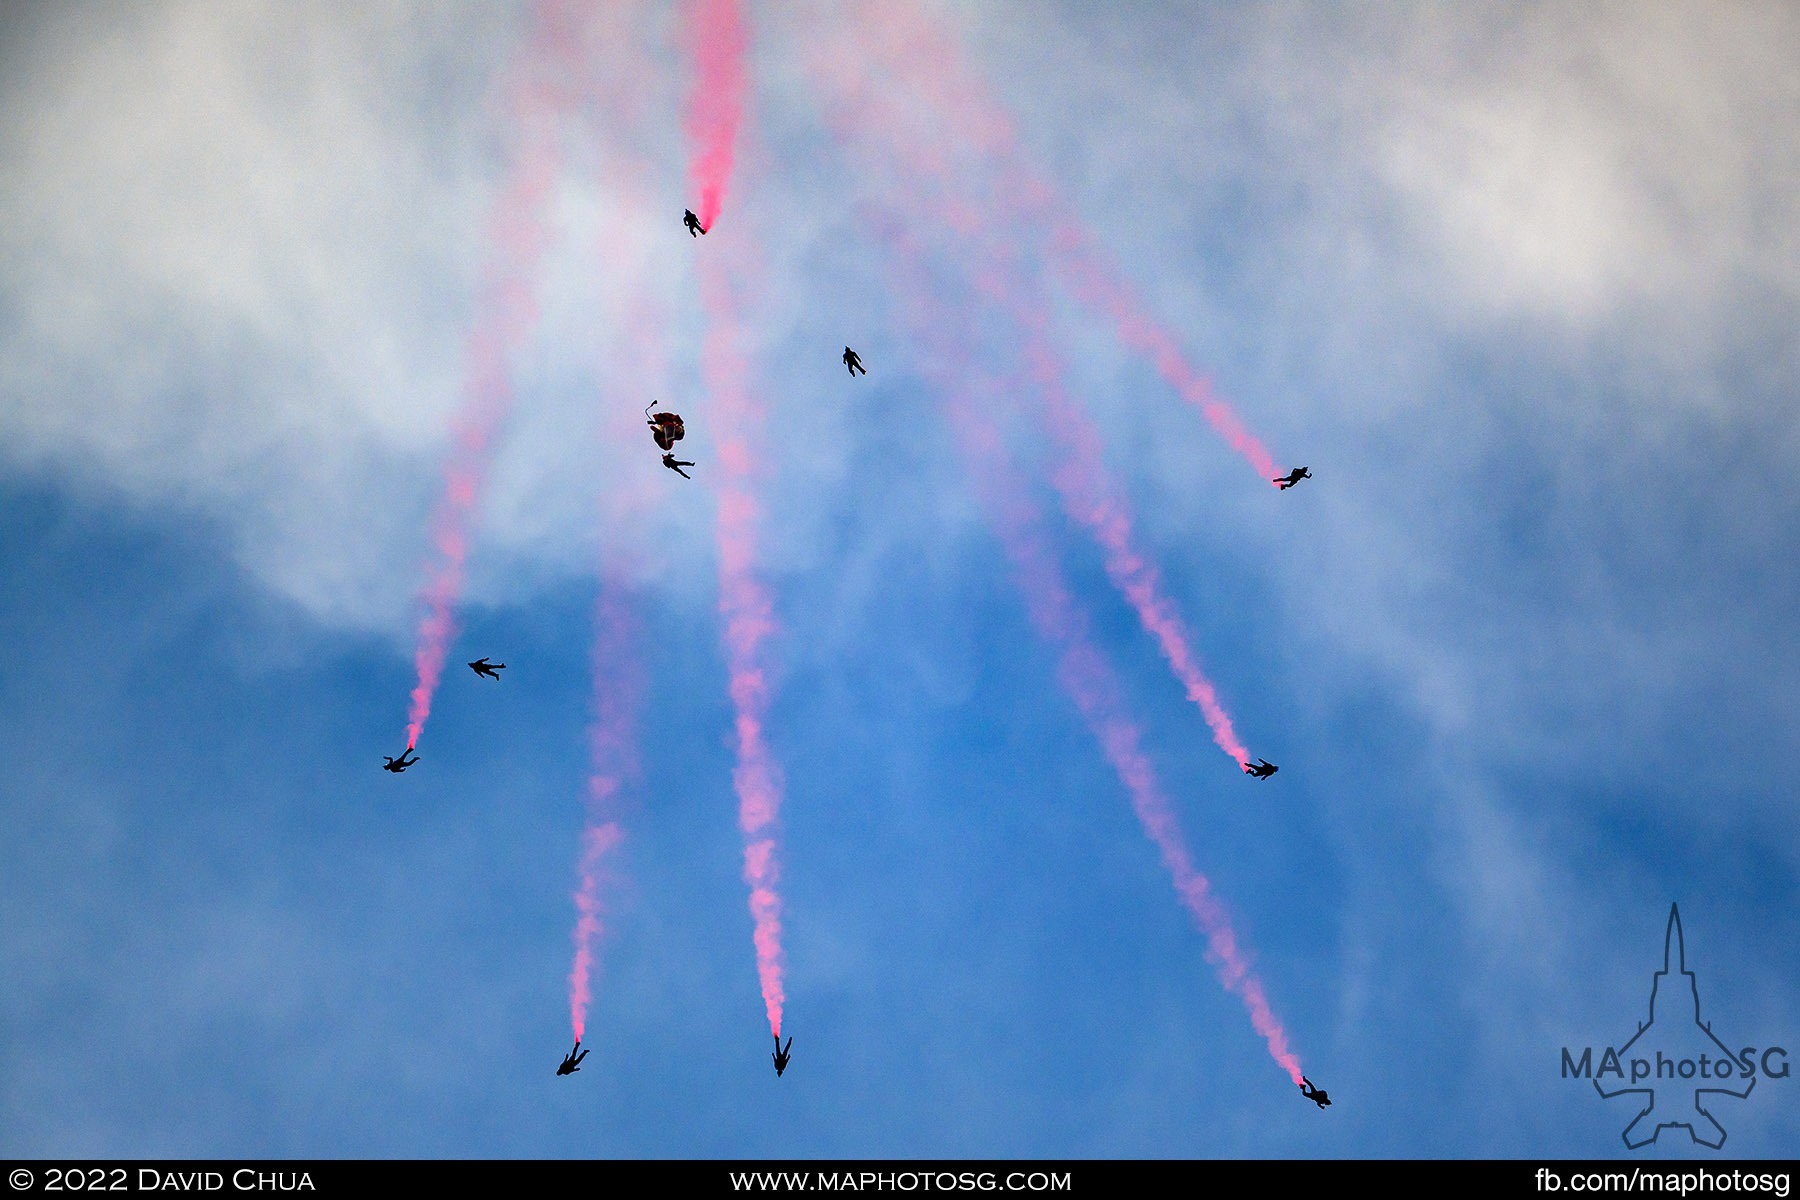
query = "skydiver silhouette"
{"x": 397, "y": 765}
{"x": 674, "y": 464}
{"x": 482, "y": 666}
{"x": 1316, "y": 1095}
{"x": 571, "y": 1062}
{"x": 1262, "y": 770}
{"x": 1291, "y": 478}
{"x": 781, "y": 1055}
{"x": 692, "y": 222}
{"x": 853, "y": 361}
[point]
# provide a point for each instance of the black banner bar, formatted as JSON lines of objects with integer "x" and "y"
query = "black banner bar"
{"x": 863, "y": 1177}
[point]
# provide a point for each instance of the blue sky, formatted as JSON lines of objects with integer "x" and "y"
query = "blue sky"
{"x": 1517, "y": 282}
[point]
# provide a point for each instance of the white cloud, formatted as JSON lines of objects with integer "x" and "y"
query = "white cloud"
{"x": 1589, "y": 164}
{"x": 237, "y": 245}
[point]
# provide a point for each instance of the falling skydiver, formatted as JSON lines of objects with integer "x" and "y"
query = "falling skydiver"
{"x": 397, "y": 765}
{"x": 781, "y": 1055}
{"x": 692, "y": 222}
{"x": 571, "y": 1062}
{"x": 1262, "y": 770}
{"x": 675, "y": 464}
{"x": 482, "y": 666}
{"x": 853, "y": 361}
{"x": 1291, "y": 478}
{"x": 1316, "y": 1095}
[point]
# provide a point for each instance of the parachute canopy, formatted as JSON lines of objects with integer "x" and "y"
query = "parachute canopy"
{"x": 667, "y": 429}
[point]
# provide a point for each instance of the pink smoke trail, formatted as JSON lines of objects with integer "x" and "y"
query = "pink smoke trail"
{"x": 618, "y": 86}
{"x": 718, "y": 42}
{"x": 1088, "y": 494}
{"x": 922, "y": 68}
{"x": 749, "y": 619}
{"x": 1081, "y": 670}
{"x": 612, "y": 741}
{"x": 1093, "y": 501}
{"x": 1089, "y": 681}
{"x": 1080, "y": 263}
{"x": 506, "y": 315}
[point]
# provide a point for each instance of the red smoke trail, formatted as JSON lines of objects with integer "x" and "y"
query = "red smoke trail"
{"x": 506, "y": 315}
{"x": 618, "y": 88}
{"x": 617, "y": 669}
{"x": 597, "y": 844}
{"x": 1081, "y": 670}
{"x": 618, "y": 687}
{"x": 738, "y": 419}
{"x": 1080, "y": 263}
{"x": 718, "y": 42}
{"x": 1089, "y": 496}
{"x": 893, "y": 43}
{"x": 1090, "y": 682}
{"x": 1091, "y": 499}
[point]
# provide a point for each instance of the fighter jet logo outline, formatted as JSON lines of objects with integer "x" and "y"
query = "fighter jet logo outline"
{"x": 1701, "y": 1125}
